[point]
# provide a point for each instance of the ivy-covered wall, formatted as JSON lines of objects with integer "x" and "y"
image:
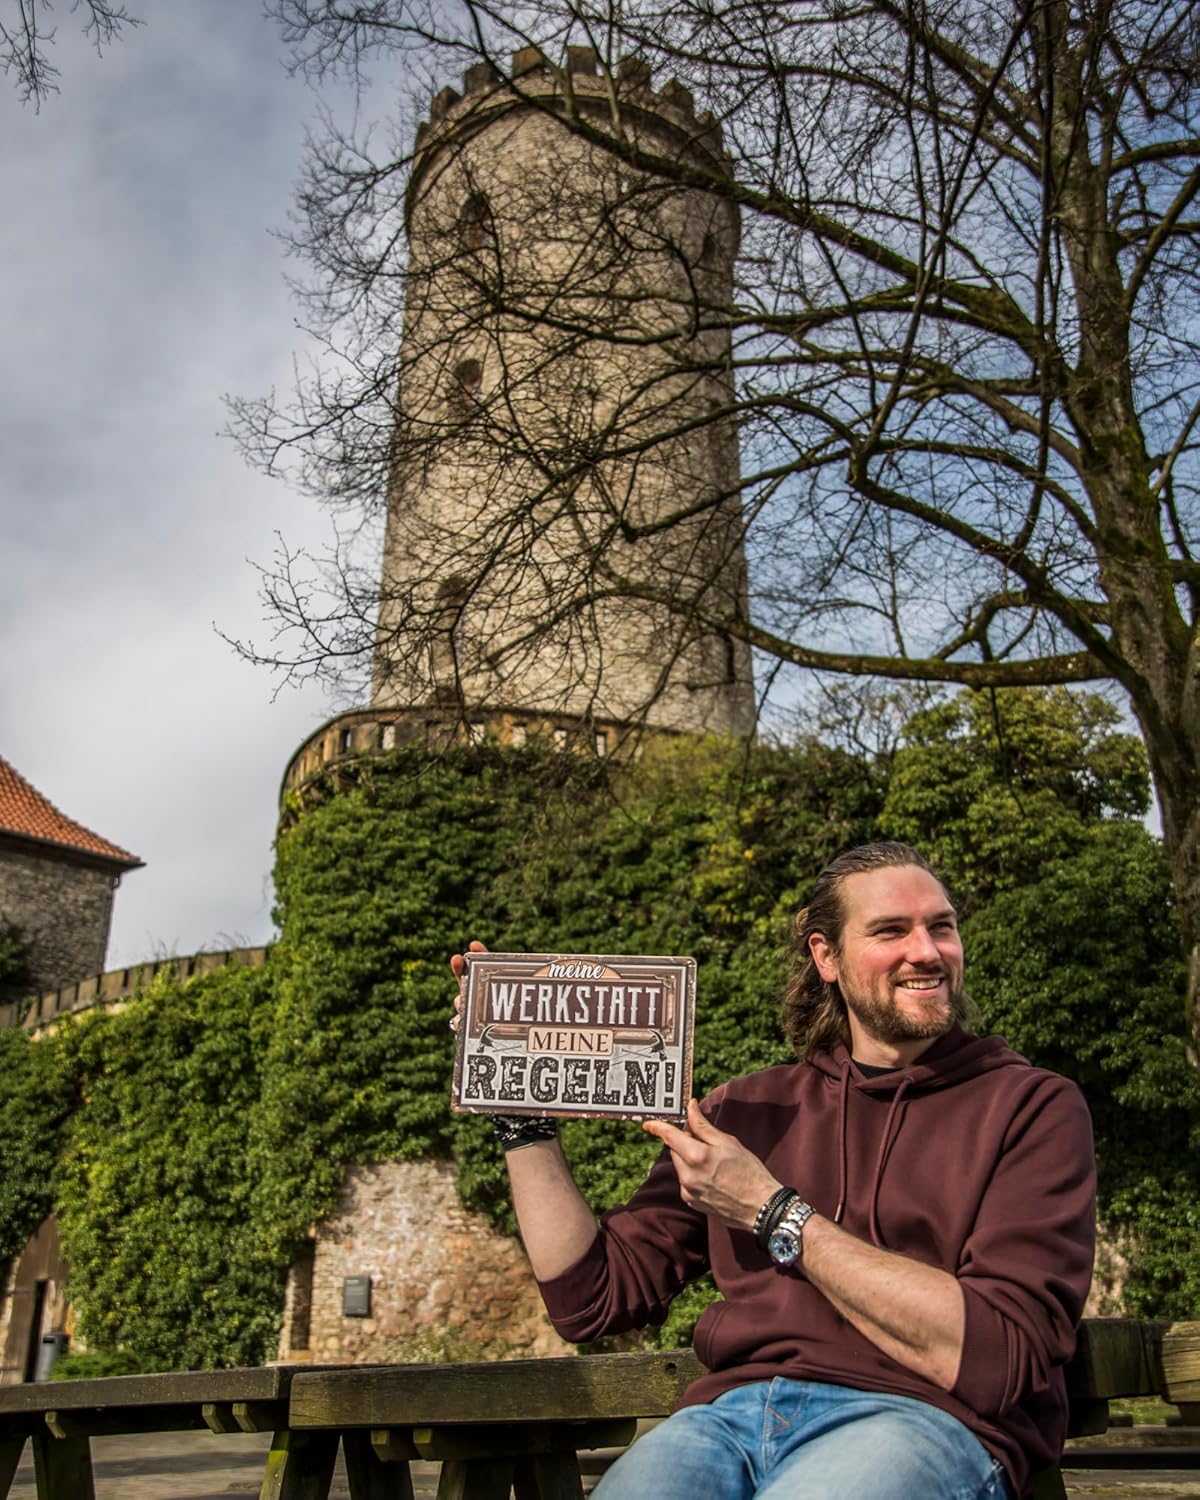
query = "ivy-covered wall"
{"x": 192, "y": 1139}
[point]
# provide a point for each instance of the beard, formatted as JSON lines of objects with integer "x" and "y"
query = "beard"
{"x": 887, "y": 1020}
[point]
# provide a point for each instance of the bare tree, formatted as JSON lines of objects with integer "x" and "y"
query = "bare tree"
{"x": 961, "y": 354}
{"x": 27, "y": 31}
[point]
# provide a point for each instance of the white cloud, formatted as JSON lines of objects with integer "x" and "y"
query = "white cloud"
{"x": 139, "y": 284}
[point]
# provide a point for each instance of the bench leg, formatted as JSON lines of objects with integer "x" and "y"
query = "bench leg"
{"x": 63, "y": 1468}
{"x": 370, "y": 1478}
{"x": 548, "y": 1476}
{"x": 475, "y": 1479}
{"x": 299, "y": 1466}
{"x": 1047, "y": 1484}
{"x": 11, "y": 1449}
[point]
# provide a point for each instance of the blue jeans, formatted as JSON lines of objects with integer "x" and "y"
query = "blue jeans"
{"x": 799, "y": 1440}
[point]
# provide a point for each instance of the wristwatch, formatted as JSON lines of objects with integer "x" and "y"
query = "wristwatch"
{"x": 784, "y": 1245}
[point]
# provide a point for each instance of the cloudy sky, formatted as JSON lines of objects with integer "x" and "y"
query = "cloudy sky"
{"x": 141, "y": 283}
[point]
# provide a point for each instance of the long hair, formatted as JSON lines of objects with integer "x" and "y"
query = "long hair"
{"x": 814, "y": 1012}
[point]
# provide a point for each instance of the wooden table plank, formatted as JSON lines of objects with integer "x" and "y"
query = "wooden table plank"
{"x": 1181, "y": 1363}
{"x": 1086, "y": 1417}
{"x": 511, "y": 1439}
{"x": 218, "y": 1416}
{"x": 1116, "y": 1357}
{"x": 265, "y": 1383}
{"x": 607, "y": 1386}
{"x": 260, "y": 1416}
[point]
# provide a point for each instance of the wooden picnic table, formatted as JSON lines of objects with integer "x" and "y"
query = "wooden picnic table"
{"x": 508, "y": 1428}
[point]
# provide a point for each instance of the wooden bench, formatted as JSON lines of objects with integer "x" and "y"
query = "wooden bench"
{"x": 513, "y": 1428}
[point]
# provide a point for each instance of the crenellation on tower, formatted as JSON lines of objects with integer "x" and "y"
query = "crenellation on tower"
{"x": 534, "y": 76}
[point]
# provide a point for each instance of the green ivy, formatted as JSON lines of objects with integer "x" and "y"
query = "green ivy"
{"x": 14, "y": 963}
{"x": 168, "y": 1260}
{"x": 37, "y": 1100}
{"x": 192, "y": 1140}
{"x": 694, "y": 851}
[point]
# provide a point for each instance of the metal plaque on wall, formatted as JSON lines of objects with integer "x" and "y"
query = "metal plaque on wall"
{"x": 576, "y": 1034}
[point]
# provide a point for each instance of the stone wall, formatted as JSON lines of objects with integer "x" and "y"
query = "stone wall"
{"x": 63, "y": 909}
{"x": 1109, "y": 1275}
{"x": 443, "y": 1283}
{"x": 112, "y": 989}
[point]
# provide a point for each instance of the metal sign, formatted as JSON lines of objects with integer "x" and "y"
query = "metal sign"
{"x": 572, "y": 1034}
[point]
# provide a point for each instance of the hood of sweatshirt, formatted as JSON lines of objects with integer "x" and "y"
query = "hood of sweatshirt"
{"x": 951, "y": 1059}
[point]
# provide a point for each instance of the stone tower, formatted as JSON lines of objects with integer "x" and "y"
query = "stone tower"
{"x": 565, "y": 360}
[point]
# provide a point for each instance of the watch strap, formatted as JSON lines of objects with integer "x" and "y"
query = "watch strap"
{"x": 793, "y": 1219}
{"x": 769, "y": 1215}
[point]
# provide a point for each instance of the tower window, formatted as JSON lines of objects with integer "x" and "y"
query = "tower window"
{"x": 467, "y": 390}
{"x": 450, "y": 636}
{"x": 474, "y": 223}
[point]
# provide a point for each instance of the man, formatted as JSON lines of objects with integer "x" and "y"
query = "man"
{"x": 901, "y": 1225}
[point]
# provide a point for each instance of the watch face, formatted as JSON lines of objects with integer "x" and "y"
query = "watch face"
{"x": 784, "y": 1246}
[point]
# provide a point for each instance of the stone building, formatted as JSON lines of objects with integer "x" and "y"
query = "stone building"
{"x": 57, "y": 881}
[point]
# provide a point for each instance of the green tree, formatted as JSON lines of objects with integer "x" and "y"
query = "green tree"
{"x": 701, "y": 848}
{"x": 1080, "y": 969}
{"x": 995, "y": 785}
{"x": 14, "y": 963}
{"x": 1029, "y": 801}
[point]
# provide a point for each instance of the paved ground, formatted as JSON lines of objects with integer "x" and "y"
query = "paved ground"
{"x": 204, "y": 1466}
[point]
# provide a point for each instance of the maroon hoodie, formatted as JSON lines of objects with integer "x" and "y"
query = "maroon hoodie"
{"x": 970, "y": 1159}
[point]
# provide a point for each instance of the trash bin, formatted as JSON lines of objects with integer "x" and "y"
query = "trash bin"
{"x": 54, "y": 1343}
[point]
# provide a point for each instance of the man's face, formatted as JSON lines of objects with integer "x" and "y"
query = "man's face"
{"x": 900, "y": 967}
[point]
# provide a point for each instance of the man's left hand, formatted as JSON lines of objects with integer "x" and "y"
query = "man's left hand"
{"x": 716, "y": 1173}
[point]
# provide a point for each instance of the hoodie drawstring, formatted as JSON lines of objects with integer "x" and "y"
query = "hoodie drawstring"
{"x": 843, "y": 1110}
{"x": 889, "y": 1135}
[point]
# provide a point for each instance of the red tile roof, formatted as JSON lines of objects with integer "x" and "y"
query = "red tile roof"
{"x": 25, "y": 813}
